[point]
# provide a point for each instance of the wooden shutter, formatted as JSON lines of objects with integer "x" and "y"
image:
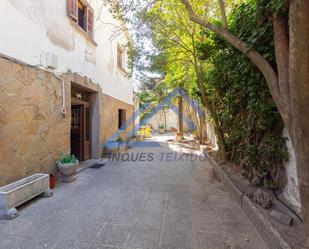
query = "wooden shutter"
{"x": 89, "y": 21}
{"x": 119, "y": 56}
{"x": 72, "y": 9}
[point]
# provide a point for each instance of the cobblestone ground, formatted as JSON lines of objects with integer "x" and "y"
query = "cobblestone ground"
{"x": 157, "y": 205}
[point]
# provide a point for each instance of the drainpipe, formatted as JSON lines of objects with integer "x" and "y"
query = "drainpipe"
{"x": 63, "y": 110}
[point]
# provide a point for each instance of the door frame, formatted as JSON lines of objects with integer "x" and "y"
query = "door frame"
{"x": 84, "y": 145}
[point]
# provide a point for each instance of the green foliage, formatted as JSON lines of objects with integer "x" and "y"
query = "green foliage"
{"x": 237, "y": 91}
{"x": 249, "y": 118}
{"x": 67, "y": 158}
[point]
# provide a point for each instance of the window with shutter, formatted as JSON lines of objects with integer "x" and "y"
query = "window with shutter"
{"x": 72, "y": 9}
{"x": 82, "y": 14}
{"x": 90, "y": 18}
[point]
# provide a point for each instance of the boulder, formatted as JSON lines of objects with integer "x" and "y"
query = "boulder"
{"x": 281, "y": 217}
{"x": 263, "y": 198}
{"x": 256, "y": 181}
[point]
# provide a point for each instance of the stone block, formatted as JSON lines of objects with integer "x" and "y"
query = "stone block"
{"x": 21, "y": 191}
{"x": 281, "y": 217}
{"x": 263, "y": 198}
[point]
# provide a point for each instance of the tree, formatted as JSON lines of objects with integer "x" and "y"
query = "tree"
{"x": 288, "y": 83}
{"x": 177, "y": 38}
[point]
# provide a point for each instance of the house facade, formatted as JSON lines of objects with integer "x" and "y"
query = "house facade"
{"x": 64, "y": 83}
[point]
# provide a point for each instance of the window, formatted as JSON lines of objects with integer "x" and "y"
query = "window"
{"x": 82, "y": 14}
{"x": 120, "y": 57}
{"x": 121, "y": 119}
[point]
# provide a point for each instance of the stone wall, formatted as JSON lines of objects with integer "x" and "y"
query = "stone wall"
{"x": 33, "y": 130}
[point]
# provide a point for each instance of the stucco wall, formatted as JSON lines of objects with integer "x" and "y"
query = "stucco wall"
{"x": 109, "y": 117}
{"x": 33, "y": 131}
{"x": 32, "y": 29}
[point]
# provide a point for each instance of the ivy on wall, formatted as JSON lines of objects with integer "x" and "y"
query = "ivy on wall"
{"x": 249, "y": 118}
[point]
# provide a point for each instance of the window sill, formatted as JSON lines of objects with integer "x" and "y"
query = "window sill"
{"x": 83, "y": 33}
{"x": 123, "y": 71}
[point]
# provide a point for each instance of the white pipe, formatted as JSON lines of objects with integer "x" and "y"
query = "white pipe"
{"x": 63, "y": 109}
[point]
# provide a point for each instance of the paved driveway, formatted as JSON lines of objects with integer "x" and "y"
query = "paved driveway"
{"x": 154, "y": 204}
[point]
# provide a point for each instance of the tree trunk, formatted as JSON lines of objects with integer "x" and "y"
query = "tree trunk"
{"x": 213, "y": 115}
{"x": 165, "y": 122}
{"x": 180, "y": 114}
{"x": 223, "y": 13}
{"x": 299, "y": 83}
{"x": 202, "y": 127}
{"x": 281, "y": 42}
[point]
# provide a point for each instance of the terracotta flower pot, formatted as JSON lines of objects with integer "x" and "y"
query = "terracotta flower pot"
{"x": 68, "y": 170}
{"x": 179, "y": 136}
{"x": 52, "y": 181}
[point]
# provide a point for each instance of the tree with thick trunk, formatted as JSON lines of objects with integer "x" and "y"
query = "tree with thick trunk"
{"x": 288, "y": 84}
{"x": 299, "y": 89}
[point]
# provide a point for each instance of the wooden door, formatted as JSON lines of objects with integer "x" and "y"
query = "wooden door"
{"x": 81, "y": 129}
{"x": 77, "y": 127}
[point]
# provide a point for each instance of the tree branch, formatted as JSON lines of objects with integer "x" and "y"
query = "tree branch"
{"x": 223, "y": 14}
{"x": 257, "y": 59}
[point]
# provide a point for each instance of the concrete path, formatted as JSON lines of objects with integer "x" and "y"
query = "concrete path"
{"x": 147, "y": 205}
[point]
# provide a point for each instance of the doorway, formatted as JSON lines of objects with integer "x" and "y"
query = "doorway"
{"x": 81, "y": 124}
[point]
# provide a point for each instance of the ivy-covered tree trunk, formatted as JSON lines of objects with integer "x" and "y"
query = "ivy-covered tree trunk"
{"x": 299, "y": 82}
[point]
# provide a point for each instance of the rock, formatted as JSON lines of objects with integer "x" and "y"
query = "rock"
{"x": 281, "y": 217}
{"x": 263, "y": 198}
{"x": 256, "y": 181}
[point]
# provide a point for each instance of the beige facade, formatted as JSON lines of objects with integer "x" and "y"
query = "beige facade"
{"x": 109, "y": 117}
{"x": 33, "y": 129}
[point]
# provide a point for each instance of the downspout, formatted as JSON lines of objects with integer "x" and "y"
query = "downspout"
{"x": 63, "y": 109}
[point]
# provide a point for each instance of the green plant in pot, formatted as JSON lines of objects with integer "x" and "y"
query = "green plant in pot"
{"x": 67, "y": 165}
{"x": 161, "y": 129}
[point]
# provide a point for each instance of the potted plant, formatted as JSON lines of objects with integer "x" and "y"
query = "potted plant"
{"x": 122, "y": 144}
{"x": 179, "y": 136}
{"x": 161, "y": 129}
{"x": 67, "y": 165}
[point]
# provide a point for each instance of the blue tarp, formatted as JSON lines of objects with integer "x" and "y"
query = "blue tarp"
{"x": 145, "y": 144}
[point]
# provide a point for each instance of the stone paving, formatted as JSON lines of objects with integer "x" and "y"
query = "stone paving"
{"x": 145, "y": 205}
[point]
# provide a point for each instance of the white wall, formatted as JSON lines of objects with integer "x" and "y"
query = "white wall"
{"x": 171, "y": 120}
{"x": 30, "y": 29}
{"x": 291, "y": 191}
